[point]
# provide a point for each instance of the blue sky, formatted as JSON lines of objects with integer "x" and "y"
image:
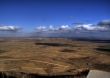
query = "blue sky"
{"x": 29, "y": 14}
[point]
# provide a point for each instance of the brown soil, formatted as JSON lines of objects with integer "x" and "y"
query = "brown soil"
{"x": 51, "y": 57}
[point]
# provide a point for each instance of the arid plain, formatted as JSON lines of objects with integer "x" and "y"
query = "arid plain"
{"x": 53, "y": 56}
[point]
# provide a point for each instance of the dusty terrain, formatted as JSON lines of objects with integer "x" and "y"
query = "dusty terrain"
{"x": 55, "y": 56}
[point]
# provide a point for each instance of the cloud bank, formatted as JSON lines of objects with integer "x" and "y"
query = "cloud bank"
{"x": 100, "y": 30}
{"x": 101, "y": 26}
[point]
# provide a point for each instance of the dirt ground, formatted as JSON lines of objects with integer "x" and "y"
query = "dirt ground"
{"x": 48, "y": 56}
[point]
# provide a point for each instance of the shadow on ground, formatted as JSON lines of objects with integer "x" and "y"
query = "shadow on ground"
{"x": 55, "y": 44}
{"x": 27, "y": 75}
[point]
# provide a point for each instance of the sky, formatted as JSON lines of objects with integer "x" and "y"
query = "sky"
{"x": 29, "y": 14}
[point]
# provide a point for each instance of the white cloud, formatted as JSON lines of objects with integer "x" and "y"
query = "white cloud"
{"x": 90, "y": 27}
{"x": 89, "y": 31}
{"x": 52, "y": 28}
{"x": 65, "y": 27}
{"x": 79, "y": 27}
{"x": 8, "y": 28}
{"x": 41, "y": 28}
{"x": 85, "y": 27}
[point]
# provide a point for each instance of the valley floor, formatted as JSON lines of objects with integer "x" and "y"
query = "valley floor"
{"x": 52, "y": 56}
